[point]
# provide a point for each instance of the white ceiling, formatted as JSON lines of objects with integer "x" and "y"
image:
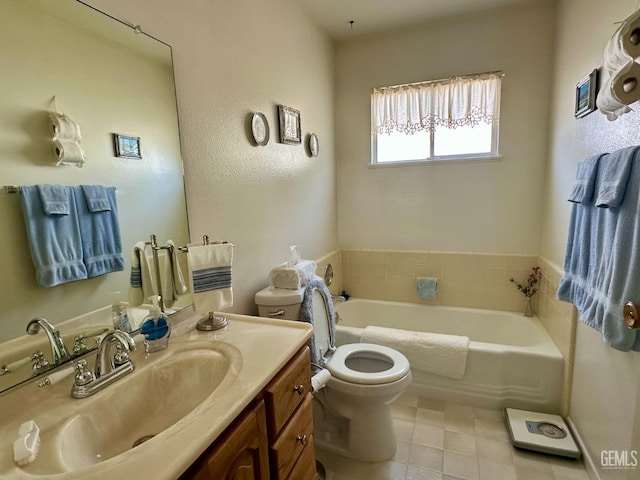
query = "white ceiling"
{"x": 371, "y": 16}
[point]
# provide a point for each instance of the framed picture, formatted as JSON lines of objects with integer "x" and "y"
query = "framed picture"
{"x": 126, "y": 146}
{"x": 289, "y": 125}
{"x": 586, "y": 91}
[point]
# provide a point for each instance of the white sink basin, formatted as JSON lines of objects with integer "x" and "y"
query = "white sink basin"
{"x": 135, "y": 411}
{"x": 164, "y": 388}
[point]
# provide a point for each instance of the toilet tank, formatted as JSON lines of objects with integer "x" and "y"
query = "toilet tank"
{"x": 279, "y": 303}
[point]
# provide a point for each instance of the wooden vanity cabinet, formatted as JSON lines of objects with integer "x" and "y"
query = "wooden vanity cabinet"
{"x": 272, "y": 439}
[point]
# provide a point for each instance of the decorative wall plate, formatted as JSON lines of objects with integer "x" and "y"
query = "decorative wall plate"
{"x": 314, "y": 146}
{"x": 260, "y": 128}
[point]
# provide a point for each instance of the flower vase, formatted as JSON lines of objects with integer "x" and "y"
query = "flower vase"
{"x": 528, "y": 309}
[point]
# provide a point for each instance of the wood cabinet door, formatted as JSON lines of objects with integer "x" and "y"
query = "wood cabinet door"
{"x": 242, "y": 453}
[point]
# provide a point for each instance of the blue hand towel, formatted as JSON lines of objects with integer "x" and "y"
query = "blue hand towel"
{"x": 54, "y": 240}
{"x": 585, "y": 179}
{"x": 602, "y": 261}
{"x": 96, "y": 197}
{"x": 100, "y": 234}
{"x": 613, "y": 175}
{"x": 55, "y": 199}
{"x": 427, "y": 287}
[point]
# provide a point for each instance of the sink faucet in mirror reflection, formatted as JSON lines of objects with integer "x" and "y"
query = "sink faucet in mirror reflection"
{"x": 59, "y": 351}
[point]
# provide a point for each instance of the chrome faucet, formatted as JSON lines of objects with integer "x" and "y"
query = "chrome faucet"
{"x": 59, "y": 351}
{"x": 109, "y": 367}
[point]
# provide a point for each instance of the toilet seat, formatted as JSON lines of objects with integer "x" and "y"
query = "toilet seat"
{"x": 338, "y": 368}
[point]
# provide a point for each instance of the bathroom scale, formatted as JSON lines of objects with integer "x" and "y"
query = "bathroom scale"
{"x": 541, "y": 432}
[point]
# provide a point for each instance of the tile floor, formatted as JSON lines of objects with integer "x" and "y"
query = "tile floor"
{"x": 440, "y": 440}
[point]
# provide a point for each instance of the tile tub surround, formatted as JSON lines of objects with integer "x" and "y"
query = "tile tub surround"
{"x": 440, "y": 440}
{"x": 465, "y": 279}
{"x": 559, "y": 319}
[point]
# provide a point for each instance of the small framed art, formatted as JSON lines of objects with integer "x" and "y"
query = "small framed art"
{"x": 289, "y": 125}
{"x": 586, "y": 91}
{"x": 127, "y": 146}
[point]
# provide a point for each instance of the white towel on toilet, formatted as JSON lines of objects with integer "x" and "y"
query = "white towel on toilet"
{"x": 436, "y": 353}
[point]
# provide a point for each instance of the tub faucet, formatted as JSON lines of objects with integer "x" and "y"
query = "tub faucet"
{"x": 59, "y": 351}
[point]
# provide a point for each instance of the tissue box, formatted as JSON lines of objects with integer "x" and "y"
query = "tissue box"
{"x": 295, "y": 277}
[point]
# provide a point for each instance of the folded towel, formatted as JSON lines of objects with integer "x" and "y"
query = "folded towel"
{"x": 444, "y": 355}
{"x": 141, "y": 285}
{"x": 210, "y": 272}
{"x": 179, "y": 285}
{"x": 613, "y": 176}
{"x": 295, "y": 277}
{"x": 306, "y": 314}
{"x": 100, "y": 235}
{"x": 585, "y": 179}
{"x": 54, "y": 240}
{"x": 601, "y": 263}
{"x": 96, "y": 198}
{"x": 55, "y": 199}
{"x": 427, "y": 287}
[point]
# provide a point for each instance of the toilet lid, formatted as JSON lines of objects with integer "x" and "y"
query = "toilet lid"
{"x": 389, "y": 364}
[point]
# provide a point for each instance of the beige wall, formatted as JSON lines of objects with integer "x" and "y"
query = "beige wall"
{"x": 486, "y": 206}
{"x": 230, "y": 59}
{"x": 105, "y": 87}
{"x": 605, "y": 397}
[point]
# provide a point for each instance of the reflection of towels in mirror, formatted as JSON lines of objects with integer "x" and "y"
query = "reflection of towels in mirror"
{"x": 143, "y": 282}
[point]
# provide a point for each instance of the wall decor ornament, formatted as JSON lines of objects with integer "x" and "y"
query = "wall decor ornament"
{"x": 586, "y": 91}
{"x": 289, "y": 125}
{"x": 314, "y": 145}
{"x": 260, "y": 128}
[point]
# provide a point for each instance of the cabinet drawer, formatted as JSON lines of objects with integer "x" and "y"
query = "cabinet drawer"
{"x": 286, "y": 391}
{"x": 295, "y": 437}
{"x": 305, "y": 467}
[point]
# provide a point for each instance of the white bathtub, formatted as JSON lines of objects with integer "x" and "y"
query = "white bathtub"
{"x": 512, "y": 361}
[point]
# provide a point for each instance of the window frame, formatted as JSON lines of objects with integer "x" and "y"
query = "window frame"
{"x": 493, "y": 154}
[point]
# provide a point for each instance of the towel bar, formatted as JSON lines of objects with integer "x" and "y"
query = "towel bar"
{"x": 631, "y": 315}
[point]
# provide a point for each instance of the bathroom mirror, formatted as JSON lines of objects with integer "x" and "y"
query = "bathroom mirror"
{"x": 110, "y": 80}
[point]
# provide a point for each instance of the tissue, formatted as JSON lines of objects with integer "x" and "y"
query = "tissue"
{"x": 293, "y": 274}
{"x": 320, "y": 379}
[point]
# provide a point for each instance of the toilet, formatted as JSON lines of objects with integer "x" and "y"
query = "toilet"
{"x": 352, "y": 412}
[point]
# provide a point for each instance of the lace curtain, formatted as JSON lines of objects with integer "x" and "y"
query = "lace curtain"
{"x": 450, "y": 103}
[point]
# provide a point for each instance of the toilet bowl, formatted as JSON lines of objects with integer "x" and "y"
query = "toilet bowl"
{"x": 353, "y": 416}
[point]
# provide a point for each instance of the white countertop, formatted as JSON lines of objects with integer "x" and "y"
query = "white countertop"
{"x": 264, "y": 347}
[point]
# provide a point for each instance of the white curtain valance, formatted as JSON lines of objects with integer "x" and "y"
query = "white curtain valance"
{"x": 451, "y": 103}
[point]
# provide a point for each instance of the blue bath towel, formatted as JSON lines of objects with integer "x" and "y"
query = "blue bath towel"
{"x": 100, "y": 234}
{"x": 96, "y": 198}
{"x": 54, "y": 240}
{"x": 602, "y": 262}
{"x": 306, "y": 314}
{"x": 585, "y": 179}
{"x": 55, "y": 199}
{"x": 613, "y": 176}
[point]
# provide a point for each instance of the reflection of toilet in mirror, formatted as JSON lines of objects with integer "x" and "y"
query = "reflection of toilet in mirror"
{"x": 352, "y": 416}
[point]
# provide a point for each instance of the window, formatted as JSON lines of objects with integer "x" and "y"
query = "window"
{"x": 453, "y": 118}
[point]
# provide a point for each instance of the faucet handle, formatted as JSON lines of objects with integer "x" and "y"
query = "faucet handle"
{"x": 121, "y": 357}
{"x": 40, "y": 364}
{"x": 84, "y": 376}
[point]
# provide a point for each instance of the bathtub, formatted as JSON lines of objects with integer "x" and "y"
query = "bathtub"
{"x": 512, "y": 360}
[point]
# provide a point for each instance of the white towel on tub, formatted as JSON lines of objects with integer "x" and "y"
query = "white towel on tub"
{"x": 436, "y": 353}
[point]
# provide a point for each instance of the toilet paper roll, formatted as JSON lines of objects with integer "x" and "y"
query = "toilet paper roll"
{"x": 630, "y": 35}
{"x": 615, "y": 56}
{"x": 64, "y": 128}
{"x": 625, "y": 83}
{"x": 68, "y": 152}
{"x": 608, "y": 104}
{"x": 320, "y": 379}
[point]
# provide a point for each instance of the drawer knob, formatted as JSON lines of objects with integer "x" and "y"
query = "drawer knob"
{"x": 302, "y": 439}
{"x": 299, "y": 389}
